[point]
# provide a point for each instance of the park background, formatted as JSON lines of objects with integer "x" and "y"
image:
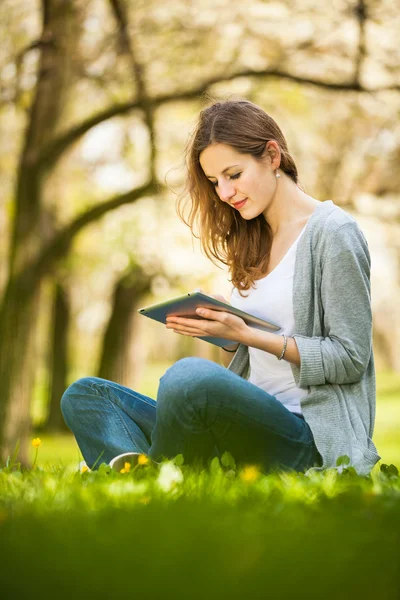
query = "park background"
{"x": 97, "y": 100}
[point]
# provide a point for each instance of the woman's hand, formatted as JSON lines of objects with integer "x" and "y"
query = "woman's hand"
{"x": 214, "y": 323}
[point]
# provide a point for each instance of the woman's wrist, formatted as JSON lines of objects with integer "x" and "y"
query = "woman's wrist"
{"x": 274, "y": 343}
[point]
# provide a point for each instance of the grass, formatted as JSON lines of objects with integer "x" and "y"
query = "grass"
{"x": 172, "y": 531}
{"x": 209, "y": 534}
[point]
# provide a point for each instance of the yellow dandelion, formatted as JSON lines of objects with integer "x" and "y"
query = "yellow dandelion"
{"x": 127, "y": 468}
{"x": 143, "y": 459}
{"x": 36, "y": 442}
{"x": 84, "y": 469}
{"x": 122, "y": 471}
{"x": 249, "y": 473}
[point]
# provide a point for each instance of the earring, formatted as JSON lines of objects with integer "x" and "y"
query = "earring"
{"x": 277, "y": 175}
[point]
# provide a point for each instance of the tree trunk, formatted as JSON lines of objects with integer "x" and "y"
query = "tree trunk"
{"x": 17, "y": 342}
{"x": 58, "y": 363}
{"x": 115, "y": 355}
{"x": 19, "y": 309}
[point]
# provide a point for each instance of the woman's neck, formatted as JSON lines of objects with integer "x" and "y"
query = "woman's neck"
{"x": 290, "y": 205}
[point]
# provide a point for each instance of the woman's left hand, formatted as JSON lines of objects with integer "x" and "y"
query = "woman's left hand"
{"x": 213, "y": 323}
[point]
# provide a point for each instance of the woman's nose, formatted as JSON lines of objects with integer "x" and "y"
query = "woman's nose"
{"x": 226, "y": 191}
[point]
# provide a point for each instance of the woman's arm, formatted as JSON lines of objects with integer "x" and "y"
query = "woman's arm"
{"x": 273, "y": 343}
{"x": 343, "y": 354}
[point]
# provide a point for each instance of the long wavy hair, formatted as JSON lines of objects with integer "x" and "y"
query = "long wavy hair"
{"x": 244, "y": 246}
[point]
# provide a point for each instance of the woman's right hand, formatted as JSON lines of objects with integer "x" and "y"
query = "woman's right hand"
{"x": 221, "y": 299}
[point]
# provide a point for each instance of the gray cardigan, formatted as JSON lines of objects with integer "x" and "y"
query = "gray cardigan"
{"x": 333, "y": 333}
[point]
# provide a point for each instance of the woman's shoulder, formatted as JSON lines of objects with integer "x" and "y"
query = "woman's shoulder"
{"x": 330, "y": 222}
{"x": 330, "y": 217}
{"x": 336, "y": 231}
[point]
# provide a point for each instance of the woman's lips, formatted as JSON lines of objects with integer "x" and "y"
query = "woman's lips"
{"x": 239, "y": 205}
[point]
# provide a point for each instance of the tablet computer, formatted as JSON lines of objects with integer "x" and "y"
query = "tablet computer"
{"x": 185, "y": 306}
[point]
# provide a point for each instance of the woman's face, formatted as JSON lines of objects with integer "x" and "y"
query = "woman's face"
{"x": 240, "y": 177}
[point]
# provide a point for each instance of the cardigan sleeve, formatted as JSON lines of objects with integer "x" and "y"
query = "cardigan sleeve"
{"x": 342, "y": 354}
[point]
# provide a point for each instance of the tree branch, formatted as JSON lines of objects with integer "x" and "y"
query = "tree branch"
{"x": 58, "y": 146}
{"x": 60, "y": 244}
{"x": 127, "y": 48}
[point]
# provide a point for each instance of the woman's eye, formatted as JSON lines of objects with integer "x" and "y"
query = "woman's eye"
{"x": 236, "y": 176}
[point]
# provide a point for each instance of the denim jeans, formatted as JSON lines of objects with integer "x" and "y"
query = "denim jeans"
{"x": 202, "y": 410}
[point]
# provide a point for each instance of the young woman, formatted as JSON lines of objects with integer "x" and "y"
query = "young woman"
{"x": 293, "y": 400}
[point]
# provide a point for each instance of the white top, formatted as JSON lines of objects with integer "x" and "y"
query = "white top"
{"x": 272, "y": 300}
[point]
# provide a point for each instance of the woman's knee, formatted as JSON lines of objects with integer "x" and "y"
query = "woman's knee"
{"x": 71, "y": 400}
{"x": 187, "y": 379}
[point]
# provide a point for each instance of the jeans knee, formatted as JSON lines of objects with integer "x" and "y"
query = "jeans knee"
{"x": 186, "y": 368}
{"x": 71, "y": 398}
{"x": 184, "y": 381}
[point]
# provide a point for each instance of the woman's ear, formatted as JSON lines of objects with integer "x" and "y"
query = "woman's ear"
{"x": 273, "y": 151}
{"x": 266, "y": 155}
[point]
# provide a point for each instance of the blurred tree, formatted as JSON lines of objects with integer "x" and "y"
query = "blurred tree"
{"x": 115, "y": 354}
{"x": 31, "y": 224}
{"x": 58, "y": 367}
{"x": 34, "y": 245}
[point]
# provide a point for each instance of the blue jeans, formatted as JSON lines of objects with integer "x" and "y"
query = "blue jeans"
{"x": 202, "y": 410}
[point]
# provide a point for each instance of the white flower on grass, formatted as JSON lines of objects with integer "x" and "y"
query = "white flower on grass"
{"x": 170, "y": 475}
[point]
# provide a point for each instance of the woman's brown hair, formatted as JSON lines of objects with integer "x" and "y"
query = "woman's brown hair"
{"x": 244, "y": 246}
